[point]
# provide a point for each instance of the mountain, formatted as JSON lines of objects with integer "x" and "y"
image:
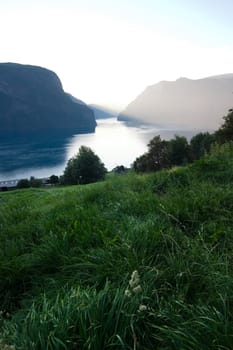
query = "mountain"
{"x": 32, "y": 101}
{"x": 183, "y": 103}
{"x": 102, "y": 112}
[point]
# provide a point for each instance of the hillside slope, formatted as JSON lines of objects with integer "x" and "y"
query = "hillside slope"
{"x": 133, "y": 262}
{"x": 183, "y": 103}
{"x": 32, "y": 100}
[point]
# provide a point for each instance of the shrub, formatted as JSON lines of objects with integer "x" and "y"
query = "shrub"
{"x": 23, "y": 183}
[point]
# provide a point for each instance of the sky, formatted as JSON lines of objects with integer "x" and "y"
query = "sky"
{"x": 107, "y": 52}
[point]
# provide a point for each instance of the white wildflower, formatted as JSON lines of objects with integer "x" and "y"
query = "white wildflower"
{"x": 134, "y": 284}
{"x": 137, "y": 290}
{"x": 135, "y": 279}
{"x": 128, "y": 293}
{"x": 142, "y": 308}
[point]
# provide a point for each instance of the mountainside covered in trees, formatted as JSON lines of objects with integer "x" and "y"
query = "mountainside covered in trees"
{"x": 32, "y": 100}
{"x": 183, "y": 103}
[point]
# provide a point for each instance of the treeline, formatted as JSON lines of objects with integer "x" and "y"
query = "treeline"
{"x": 34, "y": 182}
{"x": 163, "y": 154}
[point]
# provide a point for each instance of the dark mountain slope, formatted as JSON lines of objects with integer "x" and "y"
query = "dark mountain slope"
{"x": 32, "y": 100}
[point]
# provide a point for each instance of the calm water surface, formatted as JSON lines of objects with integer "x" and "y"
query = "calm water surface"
{"x": 114, "y": 142}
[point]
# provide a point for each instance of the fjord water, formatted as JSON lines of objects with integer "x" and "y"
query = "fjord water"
{"x": 114, "y": 142}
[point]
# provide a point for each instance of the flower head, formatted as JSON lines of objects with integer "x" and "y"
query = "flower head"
{"x": 142, "y": 308}
{"x": 135, "y": 279}
{"x": 128, "y": 293}
{"x": 137, "y": 290}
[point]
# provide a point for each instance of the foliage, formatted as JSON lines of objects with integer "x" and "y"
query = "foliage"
{"x": 158, "y": 150}
{"x": 23, "y": 183}
{"x": 179, "y": 151}
{"x": 225, "y": 132}
{"x": 163, "y": 154}
{"x": 68, "y": 256}
{"x": 120, "y": 169}
{"x": 155, "y": 159}
{"x": 35, "y": 182}
{"x": 84, "y": 168}
{"x": 143, "y": 163}
{"x": 54, "y": 179}
{"x": 200, "y": 144}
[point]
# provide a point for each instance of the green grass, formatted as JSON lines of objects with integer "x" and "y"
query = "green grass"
{"x": 67, "y": 255}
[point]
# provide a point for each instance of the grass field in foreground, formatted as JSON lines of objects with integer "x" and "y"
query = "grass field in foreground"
{"x": 134, "y": 262}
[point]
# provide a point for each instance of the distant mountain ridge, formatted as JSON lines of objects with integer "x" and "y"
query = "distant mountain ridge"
{"x": 102, "y": 112}
{"x": 184, "y": 103}
{"x": 32, "y": 100}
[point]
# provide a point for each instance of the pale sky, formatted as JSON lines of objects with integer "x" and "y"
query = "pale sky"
{"x": 108, "y": 51}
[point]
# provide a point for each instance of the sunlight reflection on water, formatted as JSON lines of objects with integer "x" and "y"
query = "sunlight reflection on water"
{"x": 114, "y": 142}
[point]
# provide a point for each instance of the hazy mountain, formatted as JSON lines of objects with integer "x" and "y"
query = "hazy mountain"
{"x": 183, "y": 103}
{"x": 102, "y": 112}
{"x": 32, "y": 100}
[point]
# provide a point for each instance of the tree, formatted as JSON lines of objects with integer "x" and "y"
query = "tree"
{"x": 155, "y": 159}
{"x": 85, "y": 167}
{"x": 158, "y": 153}
{"x": 54, "y": 179}
{"x": 119, "y": 169}
{"x": 225, "y": 132}
{"x": 23, "y": 183}
{"x": 35, "y": 182}
{"x": 143, "y": 163}
{"x": 179, "y": 150}
{"x": 201, "y": 144}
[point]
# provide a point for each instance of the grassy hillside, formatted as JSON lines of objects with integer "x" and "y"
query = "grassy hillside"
{"x": 135, "y": 262}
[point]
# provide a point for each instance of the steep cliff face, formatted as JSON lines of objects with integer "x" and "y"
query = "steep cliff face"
{"x": 32, "y": 100}
{"x": 183, "y": 103}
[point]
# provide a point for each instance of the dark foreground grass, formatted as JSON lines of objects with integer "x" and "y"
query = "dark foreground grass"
{"x": 67, "y": 256}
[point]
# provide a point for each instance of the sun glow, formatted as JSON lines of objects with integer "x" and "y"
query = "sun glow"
{"x": 105, "y": 58}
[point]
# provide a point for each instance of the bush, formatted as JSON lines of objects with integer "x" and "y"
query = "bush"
{"x": 23, "y": 183}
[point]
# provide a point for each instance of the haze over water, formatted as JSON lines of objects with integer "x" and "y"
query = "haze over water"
{"x": 114, "y": 142}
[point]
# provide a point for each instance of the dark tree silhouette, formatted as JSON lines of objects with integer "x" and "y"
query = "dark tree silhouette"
{"x": 155, "y": 159}
{"x": 85, "y": 167}
{"x": 200, "y": 144}
{"x": 23, "y": 183}
{"x": 225, "y": 132}
{"x": 179, "y": 150}
{"x": 54, "y": 179}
